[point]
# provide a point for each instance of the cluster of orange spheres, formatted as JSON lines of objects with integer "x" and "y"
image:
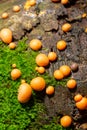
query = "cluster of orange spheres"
{"x": 29, "y": 3}
{"x": 39, "y": 84}
{"x": 40, "y": 69}
{"x": 81, "y": 104}
{"x": 6, "y": 37}
{"x": 36, "y": 84}
{"x": 62, "y": 72}
{"x": 16, "y": 8}
{"x": 43, "y": 60}
{"x": 36, "y": 45}
{"x": 80, "y": 101}
{"x": 25, "y": 89}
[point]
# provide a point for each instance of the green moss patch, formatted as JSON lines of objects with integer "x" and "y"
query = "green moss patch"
{"x": 13, "y": 115}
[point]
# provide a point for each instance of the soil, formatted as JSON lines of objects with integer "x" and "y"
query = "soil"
{"x": 44, "y": 22}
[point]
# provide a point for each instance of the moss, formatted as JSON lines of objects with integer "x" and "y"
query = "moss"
{"x": 16, "y": 116}
{"x": 53, "y": 126}
{"x": 49, "y": 125}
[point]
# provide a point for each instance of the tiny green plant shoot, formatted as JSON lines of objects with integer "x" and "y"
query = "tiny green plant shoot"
{"x": 14, "y": 115}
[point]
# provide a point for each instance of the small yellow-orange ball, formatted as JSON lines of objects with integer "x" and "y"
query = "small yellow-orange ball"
{"x": 16, "y": 8}
{"x": 52, "y": 56}
{"x": 12, "y": 45}
{"x": 66, "y": 27}
{"x": 5, "y": 15}
{"x": 58, "y": 75}
{"x": 61, "y": 45}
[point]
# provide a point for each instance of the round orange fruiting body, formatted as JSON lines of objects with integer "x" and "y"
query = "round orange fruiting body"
{"x": 52, "y": 56}
{"x": 5, "y": 15}
{"x": 32, "y": 2}
{"x": 35, "y": 44}
{"x": 6, "y": 35}
{"x": 12, "y": 45}
{"x": 23, "y": 81}
{"x": 14, "y": 65}
{"x": 71, "y": 83}
{"x": 65, "y": 69}
{"x": 50, "y": 90}
{"x": 64, "y": 2}
{"x": 26, "y": 7}
{"x": 38, "y": 83}
{"x": 16, "y": 8}
{"x": 84, "y": 15}
{"x": 61, "y": 45}
{"x": 24, "y": 93}
{"x": 66, "y": 121}
{"x": 41, "y": 70}
{"x": 36, "y": 68}
{"x": 78, "y": 97}
{"x": 42, "y": 60}
{"x": 58, "y": 75}
{"x": 66, "y": 27}
{"x": 15, "y": 74}
{"x": 27, "y": 3}
{"x": 82, "y": 104}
